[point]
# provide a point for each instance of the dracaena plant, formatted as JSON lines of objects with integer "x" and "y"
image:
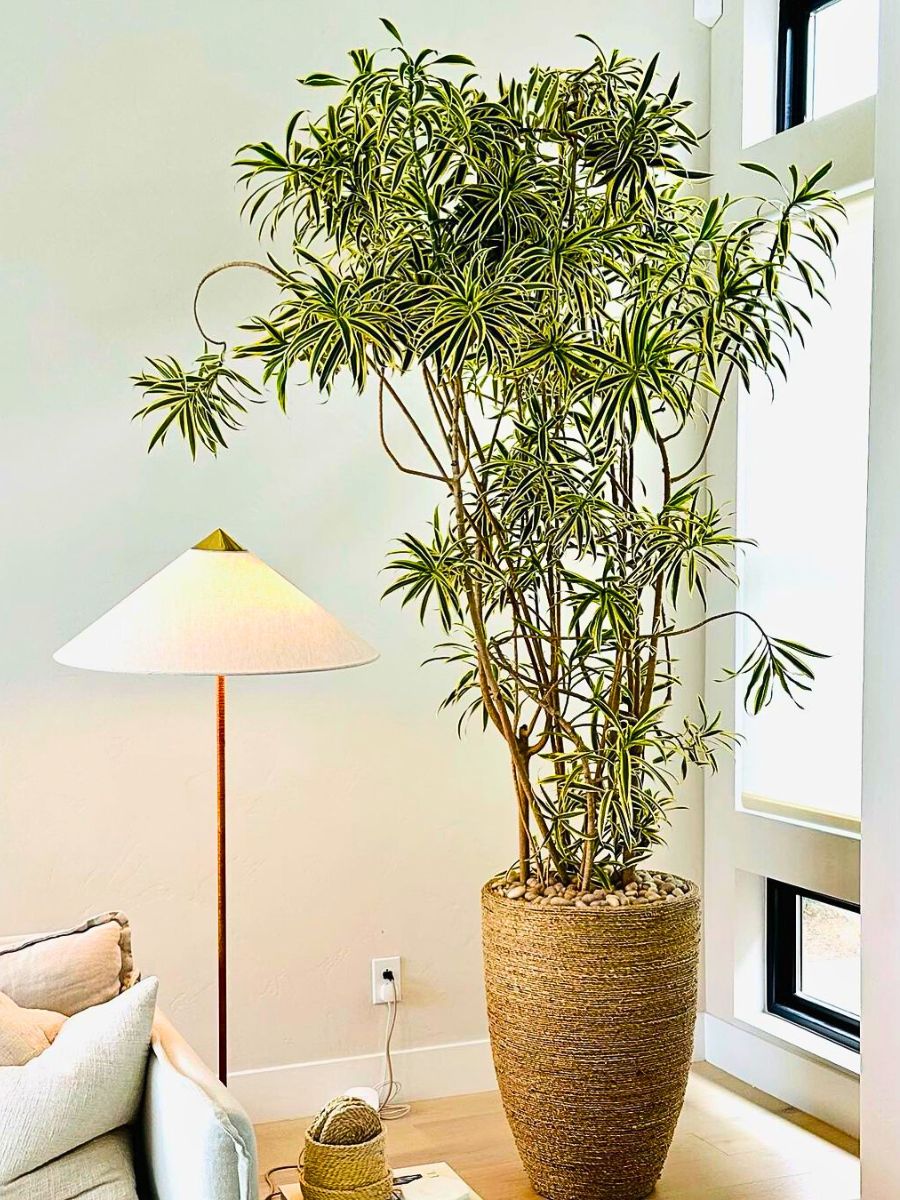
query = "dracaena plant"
{"x": 531, "y": 280}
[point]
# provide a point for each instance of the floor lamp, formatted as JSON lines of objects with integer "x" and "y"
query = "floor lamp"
{"x": 217, "y": 610}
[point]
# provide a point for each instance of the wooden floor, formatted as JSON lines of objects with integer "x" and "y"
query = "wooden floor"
{"x": 732, "y": 1143}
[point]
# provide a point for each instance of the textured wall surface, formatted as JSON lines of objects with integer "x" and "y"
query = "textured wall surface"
{"x": 359, "y": 825}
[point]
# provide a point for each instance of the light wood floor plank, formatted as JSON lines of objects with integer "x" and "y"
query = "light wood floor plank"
{"x": 732, "y": 1143}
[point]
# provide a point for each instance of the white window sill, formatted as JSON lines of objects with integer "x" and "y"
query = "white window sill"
{"x": 841, "y": 824}
{"x": 797, "y": 1038}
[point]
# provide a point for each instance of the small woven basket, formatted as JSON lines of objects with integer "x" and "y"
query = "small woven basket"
{"x": 381, "y": 1190}
{"x": 344, "y": 1156}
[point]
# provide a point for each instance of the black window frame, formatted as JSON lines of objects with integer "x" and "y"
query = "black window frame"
{"x": 794, "y": 59}
{"x": 783, "y": 995}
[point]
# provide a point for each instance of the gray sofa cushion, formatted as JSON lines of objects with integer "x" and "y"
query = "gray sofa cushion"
{"x": 98, "y": 1170}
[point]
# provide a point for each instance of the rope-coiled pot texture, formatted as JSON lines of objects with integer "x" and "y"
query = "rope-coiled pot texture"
{"x": 591, "y": 1016}
{"x": 344, "y": 1154}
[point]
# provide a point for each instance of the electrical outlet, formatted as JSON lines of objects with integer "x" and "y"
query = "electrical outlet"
{"x": 381, "y": 988}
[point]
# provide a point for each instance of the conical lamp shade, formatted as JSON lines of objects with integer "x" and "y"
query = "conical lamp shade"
{"x": 216, "y": 610}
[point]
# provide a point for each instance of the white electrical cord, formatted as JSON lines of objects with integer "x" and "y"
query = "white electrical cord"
{"x": 387, "y": 1090}
{"x": 389, "y": 1086}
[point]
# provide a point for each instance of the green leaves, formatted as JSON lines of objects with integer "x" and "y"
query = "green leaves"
{"x": 330, "y": 322}
{"x": 200, "y": 403}
{"x": 603, "y": 611}
{"x": 318, "y": 79}
{"x": 775, "y": 662}
{"x": 699, "y": 742}
{"x": 689, "y": 540}
{"x": 554, "y": 321}
{"x": 430, "y": 573}
{"x": 468, "y": 314}
{"x": 392, "y": 29}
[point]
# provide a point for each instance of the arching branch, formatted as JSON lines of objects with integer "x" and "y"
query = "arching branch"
{"x": 390, "y": 453}
{"x": 239, "y": 262}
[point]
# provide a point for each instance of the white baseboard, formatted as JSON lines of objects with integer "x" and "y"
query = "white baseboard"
{"x": 814, "y": 1086}
{"x": 426, "y": 1072}
{"x": 700, "y": 1039}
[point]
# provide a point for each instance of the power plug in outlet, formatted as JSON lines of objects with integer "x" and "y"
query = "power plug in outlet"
{"x": 382, "y": 992}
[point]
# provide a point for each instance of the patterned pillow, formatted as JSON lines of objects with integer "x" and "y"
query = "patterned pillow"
{"x": 71, "y": 969}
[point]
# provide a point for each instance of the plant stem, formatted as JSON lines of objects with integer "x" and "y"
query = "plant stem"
{"x": 227, "y": 266}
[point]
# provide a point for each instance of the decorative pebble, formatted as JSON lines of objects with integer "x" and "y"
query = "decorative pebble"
{"x": 645, "y": 888}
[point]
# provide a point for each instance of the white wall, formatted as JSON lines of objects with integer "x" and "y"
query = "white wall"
{"x": 880, "y": 1090}
{"x": 359, "y": 826}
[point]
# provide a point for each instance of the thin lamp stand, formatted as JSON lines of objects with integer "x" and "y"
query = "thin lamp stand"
{"x": 220, "y": 824}
{"x": 190, "y": 608}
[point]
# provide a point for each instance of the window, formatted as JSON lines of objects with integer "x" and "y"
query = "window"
{"x": 812, "y": 956}
{"x": 802, "y": 469}
{"x": 827, "y": 57}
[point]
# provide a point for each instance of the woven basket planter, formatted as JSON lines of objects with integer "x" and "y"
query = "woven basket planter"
{"x": 346, "y": 1167}
{"x": 591, "y": 1016}
{"x": 344, "y": 1155}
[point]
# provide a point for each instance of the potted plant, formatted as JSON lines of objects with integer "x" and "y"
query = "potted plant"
{"x": 532, "y": 280}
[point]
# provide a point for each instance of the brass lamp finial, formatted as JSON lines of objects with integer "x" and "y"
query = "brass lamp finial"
{"x": 218, "y": 540}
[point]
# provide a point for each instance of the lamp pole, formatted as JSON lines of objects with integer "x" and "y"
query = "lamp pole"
{"x": 220, "y": 826}
{"x": 217, "y": 610}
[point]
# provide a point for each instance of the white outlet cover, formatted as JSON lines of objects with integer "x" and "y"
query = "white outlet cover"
{"x": 380, "y": 994}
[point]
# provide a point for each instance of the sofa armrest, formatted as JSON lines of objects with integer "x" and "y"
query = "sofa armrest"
{"x": 198, "y": 1141}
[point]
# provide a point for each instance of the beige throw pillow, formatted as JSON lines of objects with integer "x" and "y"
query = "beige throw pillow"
{"x": 25, "y": 1032}
{"x": 87, "y": 1083}
{"x": 70, "y": 969}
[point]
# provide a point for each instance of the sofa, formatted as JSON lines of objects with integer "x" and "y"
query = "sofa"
{"x": 189, "y": 1140}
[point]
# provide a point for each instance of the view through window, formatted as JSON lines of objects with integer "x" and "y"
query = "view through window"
{"x": 813, "y": 962}
{"x": 829, "y": 954}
